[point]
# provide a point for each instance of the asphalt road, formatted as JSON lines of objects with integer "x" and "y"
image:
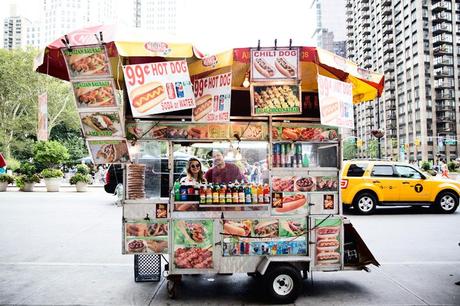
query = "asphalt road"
{"x": 65, "y": 249}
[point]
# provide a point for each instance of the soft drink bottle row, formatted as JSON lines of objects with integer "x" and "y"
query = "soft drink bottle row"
{"x": 231, "y": 193}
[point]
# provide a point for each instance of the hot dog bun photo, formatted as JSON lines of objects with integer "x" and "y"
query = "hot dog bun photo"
{"x": 284, "y": 67}
{"x": 291, "y": 203}
{"x": 147, "y": 96}
{"x": 327, "y": 232}
{"x": 327, "y": 258}
{"x": 203, "y": 107}
{"x": 242, "y": 228}
{"x": 325, "y": 245}
{"x": 264, "y": 68}
{"x": 267, "y": 229}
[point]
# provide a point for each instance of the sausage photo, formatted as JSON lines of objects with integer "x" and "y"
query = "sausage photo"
{"x": 291, "y": 203}
{"x": 264, "y": 68}
{"x": 203, "y": 107}
{"x": 284, "y": 67}
{"x": 325, "y": 245}
{"x": 327, "y": 258}
{"x": 148, "y": 96}
{"x": 327, "y": 232}
{"x": 266, "y": 229}
{"x": 236, "y": 228}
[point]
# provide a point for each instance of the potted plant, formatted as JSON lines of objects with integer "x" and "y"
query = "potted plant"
{"x": 5, "y": 180}
{"x": 53, "y": 178}
{"x": 50, "y": 155}
{"x": 27, "y": 177}
{"x": 81, "y": 179}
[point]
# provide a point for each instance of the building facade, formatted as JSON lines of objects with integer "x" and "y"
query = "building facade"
{"x": 416, "y": 43}
{"x": 15, "y": 32}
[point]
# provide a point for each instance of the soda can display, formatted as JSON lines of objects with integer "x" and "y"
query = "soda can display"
{"x": 179, "y": 90}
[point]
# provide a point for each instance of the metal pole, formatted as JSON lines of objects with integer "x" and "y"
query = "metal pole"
{"x": 379, "y": 153}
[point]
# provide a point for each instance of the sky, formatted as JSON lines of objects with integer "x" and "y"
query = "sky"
{"x": 217, "y": 25}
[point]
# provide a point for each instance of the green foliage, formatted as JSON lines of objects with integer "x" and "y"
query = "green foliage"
{"x": 71, "y": 138}
{"x": 79, "y": 177}
{"x": 82, "y": 169}
{"x": 12, "y": 164}
{"x": 426, "y": 165}
{"x": 452, "y": 165}
{"x": 19, "y": 90}
{"x": 21, "y": 179}
{"x": 6, "y": 178}
{"x": 51, "y": 173}
{"x": 349, "y": 149}
{"x": 50, "y": 153}
{"x": 373, "y": 148}
{"x": 27, "y": 169}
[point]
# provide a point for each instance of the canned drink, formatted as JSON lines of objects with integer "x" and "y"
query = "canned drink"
{"x": 221, "y": 102}
{"x": 170, "y": 90}
{"x": 179, "y": 90}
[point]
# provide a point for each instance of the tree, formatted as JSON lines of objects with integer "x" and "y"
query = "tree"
{"x": 372, "y": 148}
{"x": 349, "y": 149}
{"x": 19, "y": 90}
{"x": 49, "y": 154}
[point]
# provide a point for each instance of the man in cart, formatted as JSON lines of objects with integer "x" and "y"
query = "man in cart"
{"x": 222, "y": 172}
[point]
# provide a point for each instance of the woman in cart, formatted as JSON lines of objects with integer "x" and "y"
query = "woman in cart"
{"x": 195, "y": 173}
{"x": 222, "y": 172}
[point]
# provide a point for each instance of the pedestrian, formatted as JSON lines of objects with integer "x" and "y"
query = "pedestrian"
{"x": 444, "y": 170}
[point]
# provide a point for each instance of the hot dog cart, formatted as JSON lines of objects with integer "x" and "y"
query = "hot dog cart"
{"x": 151, "y": 106}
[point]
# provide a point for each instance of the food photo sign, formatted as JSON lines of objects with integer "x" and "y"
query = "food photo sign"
{"x": 97, "y": 93}
{"x": 213, "y": 95}
{"x": 160, "y": 87}
{"x": 269, "y": 64}
{"x": 85, "y": 62}
{"x": 275, "y": 99}
{"x": 101, "y": 123}
{"x": 108, "y": 151}
{"x": 143, "y": 236}
{"x": 327, "y": 247}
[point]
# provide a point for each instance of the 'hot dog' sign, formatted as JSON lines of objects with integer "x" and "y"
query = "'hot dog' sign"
{"x": 268, "y": 64}
{"x": 161, "y": 87}
{"x": 213, "y": 98}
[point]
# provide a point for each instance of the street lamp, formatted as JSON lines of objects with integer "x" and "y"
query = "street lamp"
{"x": 378, "y": 134}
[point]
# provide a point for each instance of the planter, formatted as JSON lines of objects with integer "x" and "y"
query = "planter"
{"x": 28, "y": 187}
{"x": 53, "y": 184}
{"x": 3, "y": 186}
{"x": 81, "y": 187}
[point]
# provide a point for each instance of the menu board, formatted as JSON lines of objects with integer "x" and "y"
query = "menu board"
{"x": 109, "y": 151}
{"x": 275, "y": 99}
{"x": 300, "y": 133}
{"x": 328, "y": 236}
{"x": 304, "y": 183}
{"x": 193, "y": 244}
{"x": 85, "y": 62}
{"x": 101, "y": 123}
{"x": 212, "y": 96}
{"x": 145, "y": 236}
{"x": 160, "y": 87}
{"x": 285, "y": 203}
{"x": 268, "y": 64}
{"x": 284, "y": 236}
{"x": 245, "y": 131}
{"x": 94, "y": 93}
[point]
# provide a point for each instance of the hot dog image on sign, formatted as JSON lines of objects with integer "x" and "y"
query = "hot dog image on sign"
{"x": 268, "y": 64}
{"x": 160, "y": 87}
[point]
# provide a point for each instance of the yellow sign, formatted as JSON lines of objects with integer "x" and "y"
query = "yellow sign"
{"x": 359, "y": 143}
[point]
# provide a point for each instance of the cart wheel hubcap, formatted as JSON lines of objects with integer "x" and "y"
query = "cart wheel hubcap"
{"x": 283, "y": 284}
{"x": 365, "y": 204}
{"x": 447, "y": 202}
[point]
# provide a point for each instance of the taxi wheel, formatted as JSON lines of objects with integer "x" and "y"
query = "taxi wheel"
{"x": 447, "y": 202}
{"x": 365, "y": 203}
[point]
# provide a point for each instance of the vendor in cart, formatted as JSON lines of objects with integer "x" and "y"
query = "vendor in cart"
{"x": 195, "y": 173}
{"x": 222, "y": 172}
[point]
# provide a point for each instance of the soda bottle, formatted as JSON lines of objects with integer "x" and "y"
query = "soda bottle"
{"x": 241, "y": 196}
{"x": 254, "y": 194}
{"x": 260, "y": 194}
{"x": 283, "y": 155}
{"x": 222, "y": 195}
{"x": 228, "y": 193}
{"x": 202, "y": 194}
{"x": 215, "y": 194}
{"x": 209, "y": 194}
{"x": 177, "y": 191}
{"x": 266, "y": 194}
{"x": 247, "y": 194}
{"x": 196, "y": 190}
{"x": 183, "y": 192}
{"x": 305, "y": 161}
{"x": 235, "y": 193}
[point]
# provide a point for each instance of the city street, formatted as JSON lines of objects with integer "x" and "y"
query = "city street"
{"x": 65, "y": 248}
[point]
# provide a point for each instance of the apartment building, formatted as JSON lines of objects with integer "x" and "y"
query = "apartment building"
{"x": 416, "y": 43}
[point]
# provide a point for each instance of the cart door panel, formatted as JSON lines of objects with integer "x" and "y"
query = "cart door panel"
{"x": 326, "y": 240}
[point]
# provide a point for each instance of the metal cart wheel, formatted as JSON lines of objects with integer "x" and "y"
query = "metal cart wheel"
{"x": 283, "y": 283}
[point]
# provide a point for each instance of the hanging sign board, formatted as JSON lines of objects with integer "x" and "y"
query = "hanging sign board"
{"x": 268, "y": 64}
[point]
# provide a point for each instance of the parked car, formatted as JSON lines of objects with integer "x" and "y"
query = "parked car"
{"x": 114, "y": 175}
{"x": 367, "y": 184}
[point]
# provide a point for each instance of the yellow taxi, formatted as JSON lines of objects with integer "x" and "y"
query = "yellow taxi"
{"x": 368, "y": 183}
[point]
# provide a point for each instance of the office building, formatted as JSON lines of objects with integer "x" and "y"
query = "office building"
{"x": 412, "y": 42}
